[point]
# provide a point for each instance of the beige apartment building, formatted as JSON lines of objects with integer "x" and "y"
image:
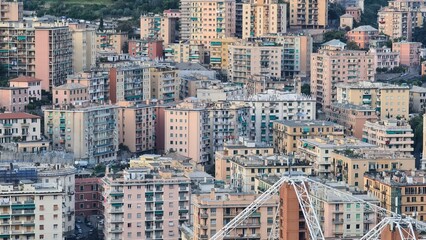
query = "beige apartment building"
{"x": 409, "y": 52}
{"x": 203, "y": 20}
{"x": 213, "y": 210}
{"x": 305, "y": 14}
{"x": 237, "y": 147}
{"x": 19, "y": 127}
{"x": 319, "y": 152}
{"x": 263, "y": 17}
{"x": 33, "y": 85}
{"x": 11, "y": 11}
{"x": 129, "y": 82}
{"x": 219, "y": 59}
{"x": 417, "y": 99}
{"x": 391, "y": 134}
{"x": 385, "y": 58}
{"x": 70, "y": 94}
{"x": 351, "y": 165}
{"x": 84, "y": 47}
{"x": 90, "y": 132}
{"x": 352, "y": 117}
{"x": 160, "y": 27}
{"x": 185, "y": 52}
{"x": 423, "y": 69}
{"x": 286, "y": 133}
{"x": 31, "y": 211}
{"x": 111, "y": 41}
{"x": 145, "y": 204}
{"x": 389, "y": 101}
{"x": 164, "y": 83}
{"x": 136, "y": 126}
{"x": 332, "y": 65}
{"x": 14, "y": 99}
{"x": 96, "y": 83}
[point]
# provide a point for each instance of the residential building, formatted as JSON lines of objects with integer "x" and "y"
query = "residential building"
{"x": 362, "y": 35}
{"x": 33, "y": 85}
{"x": 185, "y": 52}
{"x": 164, "y": 83}
{"x": 111, "y": 41}
{"x": 390, "y": 101}
{"x": 220, "y": 92}
{"x": 417, "y": 99}
{"x": 90, "y": 132}
{"x": 311, "y": 15}
{"x": 12, "y": 11}
{"x": 423, "y": 69}
{"x": 385, "y": 58}
{"x": 84, "y": 47}
{"x": 202, "y": 21}
{"x": 287, "y": 132}
{"x": 391, "y": 134}
{"x": 351, "y": 165}
{"x": 260, "y": 18}
{"x": 150, "y": 49}
{"x": 88, "y": 201}
{"x": 19, "y": 127}
{"x": 399, "y": 192}
{"x": 346, "y": 21}
{"x": 237, "y": 147}
{"x": 145, "y": 204}
{"x": 219, "y": 59}
{"x": 32, "y": 210}
{"x": 171, "y": 160}
{"x": 355, "y": 11}
{"x": 409, "y": 52}
{"x": 351, "y": 117}
{"x": 244, "y": 169}
{"x": 319, "y": 152}
{"x": 14, "y": 99}
{"x": 273, "y": 105}
{"x": 129, "y": 82}
{"x": 214, "y": 210}
{"x": 332, "y": 65}
{"x": 160, "y": 27}
{"x": 136, "y": 126}
{"x": 189, "y": 85}
{"x": 96, "y": 83}
{"x": 70, "y": 94}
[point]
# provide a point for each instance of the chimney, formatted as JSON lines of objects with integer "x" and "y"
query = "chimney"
{"x": 213, "y": 194}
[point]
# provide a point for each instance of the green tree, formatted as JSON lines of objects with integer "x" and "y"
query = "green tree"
{"x": 306, "y": 89}
{"x": 101, "y": 24}
{"x": 335, "y": 10}
{"x": 339, "y": 35}
{"x": 352, "y": 45}
{"x": 419, "y": 34}
{"x": 416, "y": 124}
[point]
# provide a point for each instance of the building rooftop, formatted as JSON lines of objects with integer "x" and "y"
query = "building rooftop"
{"x": 268, "y": 161}
{"x": 335, "y": 43}
{"x": 372, "y": 153}
{"x": 12, "y": 88}
{"x": 190, "y": 66}
{"x": 353, "y": 107}
{"x": 332, "y": 143}
{"x": 70, "y": 86}
{"x": 307, "y": 123}
{"x": 418, "y": 89}
{"x": 347, "y": 16}
{"x": 389, "y": 124}
{"x": 399, "y": 178}
{"x": 17, "y": 115}
{"x": 366, "y": 84}
{"x": 364, "y": 28}
{"x": 273, "y": 95}
{"x": 25, "y": 79}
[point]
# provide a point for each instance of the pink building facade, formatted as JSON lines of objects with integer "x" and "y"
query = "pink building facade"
{"x": 88, "y": 196}
{"x": 14, "y": 99}
{"x": 362, "y": 36}
{"x": 70, "y": 93}
{"x": 33, "y": 85}
{"x": 409, "y": 52}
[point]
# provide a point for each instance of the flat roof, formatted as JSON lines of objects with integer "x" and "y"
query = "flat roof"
{"x": 307, "y": 123}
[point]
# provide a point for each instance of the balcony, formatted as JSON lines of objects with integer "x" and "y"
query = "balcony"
{"x": 338, "y": 220}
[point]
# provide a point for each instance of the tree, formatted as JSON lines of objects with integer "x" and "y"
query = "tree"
{"x": 416, "y": 124}
{"x": 335, "y": 10}
{"x": 339, "y": 35}
{"x": 101, "y": 24}
{"x": 419, "y": 34}
{"x": 352, "y": 46}
{"x": 306, "y": 89}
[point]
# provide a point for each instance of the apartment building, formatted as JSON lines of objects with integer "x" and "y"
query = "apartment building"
{"x": 362, "y": 35}
{"x": 355, "y": 10}
{"x": 11, "y": 11}
{"x": 19, "y": 127}
{"x": 160, "y": 27}
{"x": 237, "y": 147}
{"x": 391, "y": 134}
{"x": 129, "y": 82}
{"x": 84, "y": 47}
{"x": 351, "y": 117}
{"x": 190, "y": 84}
{"x": 305, "y": 14}
{"x": 150, "y": 49}
{"x": 202, "y": 20}
{"x": 136, "y": 126}
{"x": 96, "y": 83}
{"x": 409, "y": 52}
{"x": 245, "y": 168}
{"x": 332, "y": 65}
{"x": 423, "y": 69}
{"x": 31, "y": 211}
{"x": 346, "y": 21}
{"x": 399, "y": 192}
{"x": 286, "y": 133}
{"x": 33, "y": 85}
{"x": 385, "y": 58}
{"x": 350, "y": 165}
{"x": 220, "y": 92}
{"x": 319, "y": 152}
{"x": 260, "y": 18}
{"x": 219, "y": 59}
{"x": 164, "y": 83}
{"x": 417, "y": 99}
{"x": 390, "y": 101}
{"x": 214, "y": 210}
{"x": 185, "y": 52}
{"x": 88, "y": 199}
{"x": 70, "y": 94}
{"x": 111, "y": 41}
{"x": 89, "y": 132}
{"x": 143, "y": 204}
{"x": 273, "y": 105}
{"x": 14, "y": 99}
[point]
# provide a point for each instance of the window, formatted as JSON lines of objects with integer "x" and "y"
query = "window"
{"x": 212, "y": 221}
{"x": 139, "y": 215}
{"x": 55, "y": 226}
{"x": 41, "y": 217}
{"x": 129, "y": 216}
{"x": 41, "y": 227}
{"x": 348, "y": 226}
